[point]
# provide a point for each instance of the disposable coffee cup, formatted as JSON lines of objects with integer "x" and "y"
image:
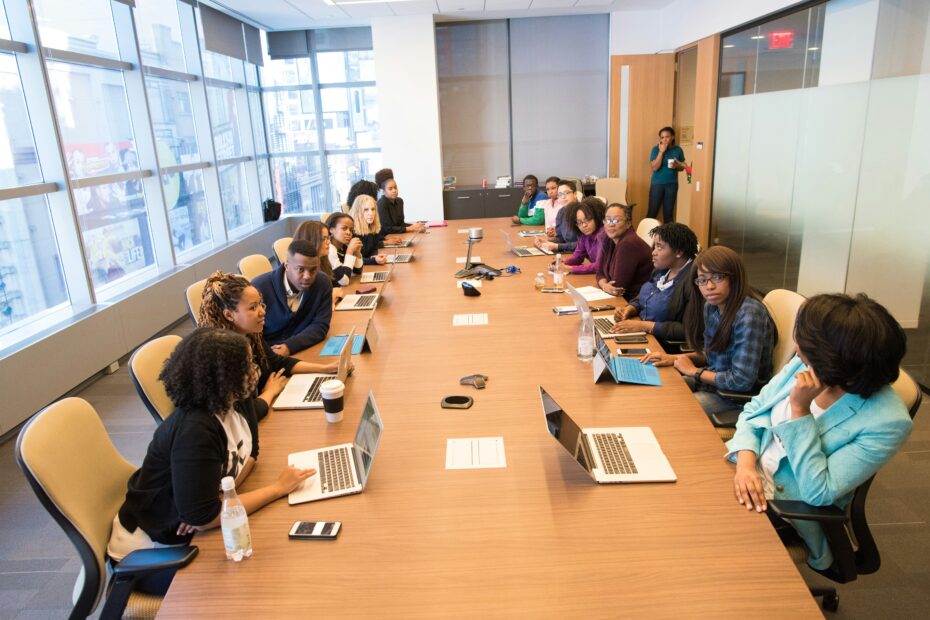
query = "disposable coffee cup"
{"x": 671, "y": 162}
{"x": 332, "y": 392}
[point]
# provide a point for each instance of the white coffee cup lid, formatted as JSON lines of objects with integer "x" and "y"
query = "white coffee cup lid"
{"x": 331, "y": 386}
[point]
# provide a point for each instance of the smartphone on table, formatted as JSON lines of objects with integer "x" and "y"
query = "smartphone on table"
{"x": 633, "y": 352}
{"x": 315, "y": 530}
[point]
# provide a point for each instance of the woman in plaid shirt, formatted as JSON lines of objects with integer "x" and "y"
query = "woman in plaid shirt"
{"x": 731, "y": 333}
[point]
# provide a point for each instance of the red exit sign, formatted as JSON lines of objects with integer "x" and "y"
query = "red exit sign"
{"x": 782, "y": 40}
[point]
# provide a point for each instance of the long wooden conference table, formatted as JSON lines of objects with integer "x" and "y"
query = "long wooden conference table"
{"x": 535, "y": 539}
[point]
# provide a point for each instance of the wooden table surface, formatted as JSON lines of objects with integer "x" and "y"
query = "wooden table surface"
{"x": 536, "y": 539}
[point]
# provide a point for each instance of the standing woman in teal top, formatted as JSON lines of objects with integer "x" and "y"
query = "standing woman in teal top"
{"x": 666, "y": 160}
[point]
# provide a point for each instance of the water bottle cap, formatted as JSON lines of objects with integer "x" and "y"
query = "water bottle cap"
{"x": 228, "y": 483}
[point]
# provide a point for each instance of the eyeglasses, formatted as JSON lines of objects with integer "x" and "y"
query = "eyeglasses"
{"x": 716, "y": 278}
{"x": 564, "y": 194}
{"x": 582, "y": 222}
{"x": 614, "y": 220}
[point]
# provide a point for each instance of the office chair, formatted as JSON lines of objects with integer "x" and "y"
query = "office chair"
{"x": 783, "y": 306}
{"x": 645, "y": 225}
{"x": 80, "y": 479}
{"x": 846, "y": 529}
{"x": 144, "y": 367}
{"x": 280, "y": 248}
{"x": 325, "y": 215}
{"x": 194, "y": 297}
{"x": 254, "y": 265}
{"x": 614, "y": 190}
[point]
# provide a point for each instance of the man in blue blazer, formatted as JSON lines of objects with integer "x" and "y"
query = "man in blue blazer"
{"x": 830, "y": 419}
{"x": 298, "y": 299}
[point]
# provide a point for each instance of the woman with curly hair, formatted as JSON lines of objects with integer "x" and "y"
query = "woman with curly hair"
{"x": 210, "y": 435}
{"x": 231, "y": 302}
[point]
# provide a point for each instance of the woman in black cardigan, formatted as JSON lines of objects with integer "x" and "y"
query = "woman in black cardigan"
{"x": 212, "y": 433}
{"x": 660, "y": 306}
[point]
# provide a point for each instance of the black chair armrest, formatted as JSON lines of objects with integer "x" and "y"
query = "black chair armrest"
{"x": 737, "y": 397}
{"x": 147, "y": 561}
{"x": 725, "y": 419}
{"x": 795, "y": 509}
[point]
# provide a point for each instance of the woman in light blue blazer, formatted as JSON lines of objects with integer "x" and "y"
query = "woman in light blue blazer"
{"x": 830, "y": 419}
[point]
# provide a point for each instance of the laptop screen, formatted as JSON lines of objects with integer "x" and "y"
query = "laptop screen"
{"x": 565, "y": 431}
{"x": 367, "y": 438}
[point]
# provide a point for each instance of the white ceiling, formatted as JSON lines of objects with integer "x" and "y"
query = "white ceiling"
{"x": 300, "y": 14}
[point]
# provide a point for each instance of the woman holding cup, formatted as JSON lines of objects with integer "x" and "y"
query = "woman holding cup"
{"x": 667, "y": 160}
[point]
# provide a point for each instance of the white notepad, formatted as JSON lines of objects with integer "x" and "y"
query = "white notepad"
{"x": 460, "y": 320}
{"x": 475, "y": 453}
{"x": 593, "y": 293}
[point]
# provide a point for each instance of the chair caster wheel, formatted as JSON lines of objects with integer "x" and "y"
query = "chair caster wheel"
{"x": 831, "y": 602}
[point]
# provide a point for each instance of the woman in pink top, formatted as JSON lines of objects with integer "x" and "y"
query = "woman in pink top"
{"x": 587, "y": 219}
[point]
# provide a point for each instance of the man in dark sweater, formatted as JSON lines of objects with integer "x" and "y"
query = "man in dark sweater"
{"x": 298, "y": 299}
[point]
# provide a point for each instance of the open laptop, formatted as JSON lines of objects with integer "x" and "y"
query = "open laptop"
{"x": 342, "y": 469}
{"x": 303, "y": 390}
{"x": 367, "y": 301}
{"x": 405, "y": 243}
{"x": 609, "y": 455}
{"x": 603, "y": 324}
{"x": 377, "y": 276}
{"x": 522, "y": 250}
{"x": 399, "y": 258}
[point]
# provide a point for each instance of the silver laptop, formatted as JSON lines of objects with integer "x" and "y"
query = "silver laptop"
{"x": 342, "y": 469}
{"x": 522, "y": 250}
{"x": 368, "y": 301}
{"x": 303, "y": 391}
{"x": 406, "y": 243}
{"x": 609, "y": 455}
{"x": 399, "y": 258}
{"x": 602, "y": 324}
{"x": 374, "y": 276}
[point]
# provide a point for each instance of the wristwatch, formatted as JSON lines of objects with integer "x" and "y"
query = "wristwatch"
{"x": 698, "y": 373}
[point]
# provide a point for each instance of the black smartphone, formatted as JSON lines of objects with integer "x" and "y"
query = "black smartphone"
{"x": 633, "y": 352}
{"x": 601, "y": 308}
{"x": 315, "y": 530}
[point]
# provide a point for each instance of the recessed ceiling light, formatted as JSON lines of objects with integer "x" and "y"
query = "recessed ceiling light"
{"x": 812, "y": 49}
{"x": 349, "y": 2}
{"x": 729, "y": 45}
{"x": 756, "y": 37}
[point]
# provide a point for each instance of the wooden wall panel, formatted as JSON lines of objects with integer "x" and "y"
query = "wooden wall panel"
{"x": 705, "y": 129}
{"x": 650, "y": 104}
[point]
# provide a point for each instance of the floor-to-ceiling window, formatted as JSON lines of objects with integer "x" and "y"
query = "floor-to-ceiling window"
{"x": 821, "y": 182}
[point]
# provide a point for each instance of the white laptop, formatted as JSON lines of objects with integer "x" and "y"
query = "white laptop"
{"x": 303, "y": 390}
{"x": 405, "y": 243}
{"x": 374, "y": 276}
{"x": 399, "y": 258}
{"x": 367, "y": 301}
{"x": 342, "y": 469}
{"x": 609, "y": 455}
{"x": 603, "y": 324}
{"x": 522, "y": 250}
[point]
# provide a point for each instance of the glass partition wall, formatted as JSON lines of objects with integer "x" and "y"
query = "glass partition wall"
{"x": 821, "y": 180}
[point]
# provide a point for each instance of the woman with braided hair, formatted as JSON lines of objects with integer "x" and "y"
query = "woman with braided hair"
{"x": 231, "y": 302}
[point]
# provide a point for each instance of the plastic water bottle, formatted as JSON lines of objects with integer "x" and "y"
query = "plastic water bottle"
{"x": 558, "y": 278}
{"x": 235, "y": 523}
{"x": 586, "y": 338}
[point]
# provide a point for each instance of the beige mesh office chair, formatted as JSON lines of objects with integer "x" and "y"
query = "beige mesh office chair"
{"x": 80, "y": 479}
{"x": 144, "y": 367}
{"x": 194, "y": 297}
{"x": 645, "y": 225}
{"x": 325, "y": 215}
{"x": 254, "y": 265}
{"x": 280, "y": 248}
{"x": 614, "y": 190}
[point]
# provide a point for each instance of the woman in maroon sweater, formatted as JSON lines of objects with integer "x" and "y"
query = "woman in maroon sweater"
{"x": 625, "y": 261}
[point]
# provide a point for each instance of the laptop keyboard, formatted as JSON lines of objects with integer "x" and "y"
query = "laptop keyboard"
{"x": 522, "y": 252}
{"x": 313, "y": 394}
{"x": 335, "y": 471}
{"x": 379, "y": 276}
{"x": 603, "y": 324}
{"x": 364, "y": 301}
{"x": 614, "y": 454}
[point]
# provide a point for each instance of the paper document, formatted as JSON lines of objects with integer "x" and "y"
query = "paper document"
{"x": 475, "y": 283}
{"x": 463, "y": 230}
{"x": 334, "y": 345}
{"x": 475, "y": 453}
{"x": 593, "y": 293}
{"x": 532, "y": 233}
{"x": 461, "y": 259}
{"x": 459, "y": 320}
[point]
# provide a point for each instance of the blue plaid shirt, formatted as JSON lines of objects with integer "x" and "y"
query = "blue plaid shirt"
{"x": 747, "y": 361}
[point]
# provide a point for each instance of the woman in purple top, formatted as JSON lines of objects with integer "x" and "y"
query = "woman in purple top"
{"x": 587, "y": 220}
{"x": 625, "y": 261}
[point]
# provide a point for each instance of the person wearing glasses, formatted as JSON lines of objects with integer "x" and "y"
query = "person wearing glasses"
{"x": 231, "y": 302}
{"x": 660, "y": 306}
{"x": 208, "y": 436}
{"x": 588, "y": 224}
{"x": 625, "y": 261}
{"x": 528, "y": 214}
{"x": 731, "y": 333}
{"x": 298, "y": 296}
{"x": 561, "y": 237}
